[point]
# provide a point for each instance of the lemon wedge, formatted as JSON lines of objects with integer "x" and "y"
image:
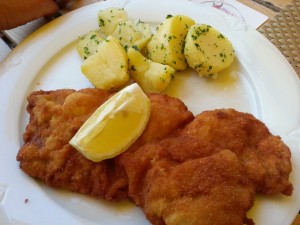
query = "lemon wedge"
{"x": 114, "y": 126}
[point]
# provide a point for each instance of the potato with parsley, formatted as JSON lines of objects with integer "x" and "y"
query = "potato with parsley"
{"x": 108, "y": 67}
{"x": 131, "y": 33}
{"x": 108, "y": 19}
{"x": 151, "y": 76}
{"x": 89, "y": 43}
{"x": 166, "y": 46}
{"x": 207, "y": 50}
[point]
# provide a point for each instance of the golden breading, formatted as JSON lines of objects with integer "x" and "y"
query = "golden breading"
{"x": 55, "y": 116}
{"x": 183, "y": 170}
{"x": 209, "y": 172}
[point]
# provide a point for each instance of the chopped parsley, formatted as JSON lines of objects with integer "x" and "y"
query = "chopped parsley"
{"x": 86, "y": 51}
{"x": 221, "y": 36}
{"x": 101, "y": 23}
{"x": 135, "y": 47}
{"x": 93, "y": 36}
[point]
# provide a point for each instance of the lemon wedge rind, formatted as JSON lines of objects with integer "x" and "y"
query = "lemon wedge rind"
{"x": 114, "y": 126}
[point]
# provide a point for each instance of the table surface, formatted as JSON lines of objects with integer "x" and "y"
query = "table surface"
{"x": 268, "y": 12}
{"x": 253, "y": 4}
{"x": 19, "y": 33}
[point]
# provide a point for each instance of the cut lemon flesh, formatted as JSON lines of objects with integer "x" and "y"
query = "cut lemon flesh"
{"x": 114, "y": 126}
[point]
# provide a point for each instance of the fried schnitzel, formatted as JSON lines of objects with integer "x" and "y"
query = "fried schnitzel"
{"x": 182, "y": 170}
{"x": 209, "y": 171}
{"x": 205, "y": 190}
{"x": 55, "y": 117}
{"x": 265, "y": 158}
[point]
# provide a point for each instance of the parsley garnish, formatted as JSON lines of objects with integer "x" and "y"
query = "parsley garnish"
{"x": 101, "y": 23}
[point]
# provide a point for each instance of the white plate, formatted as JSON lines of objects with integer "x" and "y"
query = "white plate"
{"x": 260, "y": 82}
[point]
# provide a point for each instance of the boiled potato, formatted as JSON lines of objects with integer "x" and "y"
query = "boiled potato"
{"x": 131, "y": 33}
{"x": 109, "y": 18}
{"x": 166, "y": 46}
{"x": 108, "y": 67}
{"x": 89, "y": 43}
{"x": 207, "y": 50}
{"x": 151, "y": 76}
